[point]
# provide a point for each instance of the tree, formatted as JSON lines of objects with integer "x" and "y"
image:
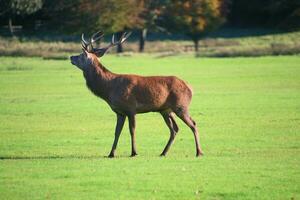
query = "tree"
{"x": 194, "y": 18}
{"x": 149, "y": 14}
{"x": 70, "y": 16}
{"x": 13, "y": 8}
{"x": 111, "y": 16}
{"x": 117, "y": 16}
{"x": 284, "y": 14}
{"x": 268, "y": 13}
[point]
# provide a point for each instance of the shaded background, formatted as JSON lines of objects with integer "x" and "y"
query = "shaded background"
{"x": 169, "y": 26}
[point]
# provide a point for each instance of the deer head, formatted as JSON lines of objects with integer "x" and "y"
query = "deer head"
{"x": 83, "y": 60}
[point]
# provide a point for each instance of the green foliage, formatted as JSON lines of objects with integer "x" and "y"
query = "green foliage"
{"x": 194, "y": 18}
{"x": 151, "y": 10}
{"x": 91, "y": 15}
{"x": 54, "y": 133}
{"x": 120, "y": 15}
{"x": 19, "y": 7}
{"x": 68, "y": 16}
{"x": 10, "y": 9}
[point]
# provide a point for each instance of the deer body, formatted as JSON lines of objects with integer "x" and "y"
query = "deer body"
{"x": 128, "y": 95}
{"x": 137, "y": 94}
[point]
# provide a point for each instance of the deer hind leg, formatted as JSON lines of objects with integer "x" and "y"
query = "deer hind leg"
{"x": 118, "y": 130}
{"x": 131, "y": 120}
{"x": 173, "y": 130}
{"x": 185, "y": 117}
{"x": 175, "y": 126}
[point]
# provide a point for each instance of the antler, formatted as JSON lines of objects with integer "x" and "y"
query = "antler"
{"x": 84, "y": 43}
{"x": 101, "y": 51}
{"x": 96, "y": 37}
{"x": 122, "y": 39}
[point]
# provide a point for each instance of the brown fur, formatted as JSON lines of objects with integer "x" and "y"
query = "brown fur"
{"x": 128, "y": 95}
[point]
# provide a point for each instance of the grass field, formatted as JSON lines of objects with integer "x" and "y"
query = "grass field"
{"x": 54, "y": 134}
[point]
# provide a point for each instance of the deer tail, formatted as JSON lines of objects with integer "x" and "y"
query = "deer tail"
{"x": 191, "y": 89}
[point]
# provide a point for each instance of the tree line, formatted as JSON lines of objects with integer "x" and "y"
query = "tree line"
{"x": 193, "y": 18}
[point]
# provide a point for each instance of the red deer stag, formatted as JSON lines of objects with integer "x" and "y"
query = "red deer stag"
{"x": 128, "y": 94}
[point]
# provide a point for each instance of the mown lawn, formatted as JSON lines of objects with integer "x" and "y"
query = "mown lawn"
{"x": 54, "y": 134}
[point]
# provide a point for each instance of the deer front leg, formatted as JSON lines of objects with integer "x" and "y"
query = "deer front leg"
{"x": 119, "y": 127}
{"x": 131, "y": 120}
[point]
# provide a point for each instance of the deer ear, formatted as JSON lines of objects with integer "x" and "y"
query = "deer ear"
{"x": 99, "y": 52}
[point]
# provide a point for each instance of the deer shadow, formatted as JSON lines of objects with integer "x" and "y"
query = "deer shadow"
{"x": 53, "y": 157}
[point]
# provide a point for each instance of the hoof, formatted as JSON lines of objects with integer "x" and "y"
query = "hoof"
{"x": 133, "y": 154}
{"x": 199, "y": 154}
{"x": 111, "y": 156}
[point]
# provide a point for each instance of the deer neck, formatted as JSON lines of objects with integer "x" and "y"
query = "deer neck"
{"x": 98, "y": 79}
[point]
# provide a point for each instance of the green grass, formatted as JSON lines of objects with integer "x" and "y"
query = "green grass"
{"x": 54, "y": 134}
